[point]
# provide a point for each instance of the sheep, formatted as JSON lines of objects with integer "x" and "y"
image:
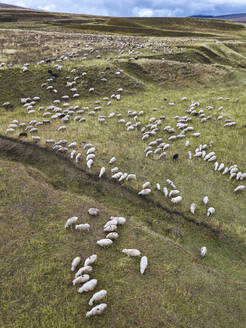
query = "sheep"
{"x": 112, "y": 160}
{"x": 143, "y": 264}
{"x": 210, "y": 211}
{"x": 146, "y": 184}
{"x": 104, "y": 242}
{"x": 238, "y": 188}
{"x": 81, "y": 279}
{"x": 97, "y": 296}
{"x": 71, "y": 221}
{"x": 88, "y": 286}
{"x": 131, "y": 252}
{"x": 110, "y": 228}
{"x": 112, "y": 221}
{"x": 120, "y": 220}
{"x": 131, "y": 177}
{"x": 93, "y": 211}
{"x": 192, "y": 208}
{"x": 96, "y": 310}
{"x": 90, "y": 260}
{"x": 205, "y": 200}
{"x": 144, "y": 192}
{"x": 203, "y": 251}
{"x": 102, "y": 171}
{"x": 112, "y": 235}
{"x": 176, "y": 199}
{"x": 89, "y": 163}
{"x": 83, "y": 270}
{"x": 82, "y": 227}
{"x": 75, "y": 263}
{"x": 174, "y": 192}
{"x": 165, "y": 191}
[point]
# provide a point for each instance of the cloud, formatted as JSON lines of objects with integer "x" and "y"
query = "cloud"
{"x": 139, "y": 8}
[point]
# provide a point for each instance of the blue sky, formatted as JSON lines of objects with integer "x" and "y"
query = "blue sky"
{"x": 137, "y": 8}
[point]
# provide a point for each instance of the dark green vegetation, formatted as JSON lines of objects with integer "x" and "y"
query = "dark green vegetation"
{"x": 40, "y": 189}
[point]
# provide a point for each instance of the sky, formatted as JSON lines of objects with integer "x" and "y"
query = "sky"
{"x": 137, "y": 8}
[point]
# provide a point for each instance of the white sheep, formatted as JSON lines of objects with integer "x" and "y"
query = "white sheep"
{"x": 146, "y": 184}
{"x": 238, "y": 188}
{"x": 83, "y": 270}
{"x": 97, "y": 296}
{"x": 205, "y": 200}
{"x": 120, "y": 220}
{"x": 75, "y": 262}
{"x": 102, "y": 171}
{"x": 81, "y": 279}
{"x": 176, "y": 199}
{"x": 71, "y": 221}
{"x": 88, "y": 286}
{"x": 145, "y": 192}
{"x": 192, "y": 208}
{"x": 112, "y": 160}
{"x": 110, "y": 228}
{"x": 211, "y": 210}
{"x": 104, "y": 242}
{"x": 174, "y": 192}
{"x": 131, "y": 252}
{"x": 96, "y": 310}
{"x": 89, "y": 163}
{"x": 112, "y": 235}
{"x": 165, "y": 191}
{"x": 93, "y": 211}
{"x": 110, "y": 222}
{"x": 143, "y": 264}
{"x": 131, "y": 177}
{"x": 82, "y": 227}
{"x": 90, "y": 260}
{"x": 203, "y": 251}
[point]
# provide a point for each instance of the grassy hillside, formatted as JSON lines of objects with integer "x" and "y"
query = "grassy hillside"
{"x": 158, "y": 79}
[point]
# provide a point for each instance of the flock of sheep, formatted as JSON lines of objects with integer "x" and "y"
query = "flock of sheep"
{"x": 82, "y": 275}
{"x": 62, "y": 113}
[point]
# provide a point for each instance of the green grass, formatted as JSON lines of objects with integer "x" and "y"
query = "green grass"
{"x": 40, "y": 190}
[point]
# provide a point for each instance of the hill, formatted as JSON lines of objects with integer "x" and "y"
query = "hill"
{"x": 5, "y": 5}
{"x": 160, "y": 113}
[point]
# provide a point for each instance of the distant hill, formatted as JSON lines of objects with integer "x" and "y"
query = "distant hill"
{"x": 241, "y": 18}
{"x": 6, "y": 6}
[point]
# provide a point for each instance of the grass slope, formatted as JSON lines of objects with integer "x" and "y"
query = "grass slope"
{"x": 40, "y": 189}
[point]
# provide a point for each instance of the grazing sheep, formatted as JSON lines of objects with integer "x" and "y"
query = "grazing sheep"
{"x": 90, "y": 260}
{"x": 110, "y": 228}
{"x": 75, "y": 263}
{"x": 81, "y": 279}
{"x": 131, "y": 252}
{"x": 97, "y": 296}
{"x": 174, "y": 192}
{"x": 211, "y": 210}
{"x": 143, "y": 264}
{"x": 96, "y": 310}
{"x": 89, "y": 163}
{"x": 192, "y": 208}
{"x": 104, "y": 242}
{"x": 144, "y": 192}
{"x": 112, "y": 235}
{"x": 205, "y": 200}
{"x": 113, "y": 159}
{"x": 93, "y": 211}
{"x": 71, "y": 221}
{"x": 176, "y": 199}
{"x": 165, "y": 191}
{"x": 203, "y": 251}
{"x": 88, "y": 286}
{"x": 131, "y": 177}
{"x": 102, "y": 171}
{"x": 83, "y": 227}
{"x": 146, "y": 184}
{"x": 120, "y": 220}
{"x": 238, "y": 188}
{"x": 85, "y": 269}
